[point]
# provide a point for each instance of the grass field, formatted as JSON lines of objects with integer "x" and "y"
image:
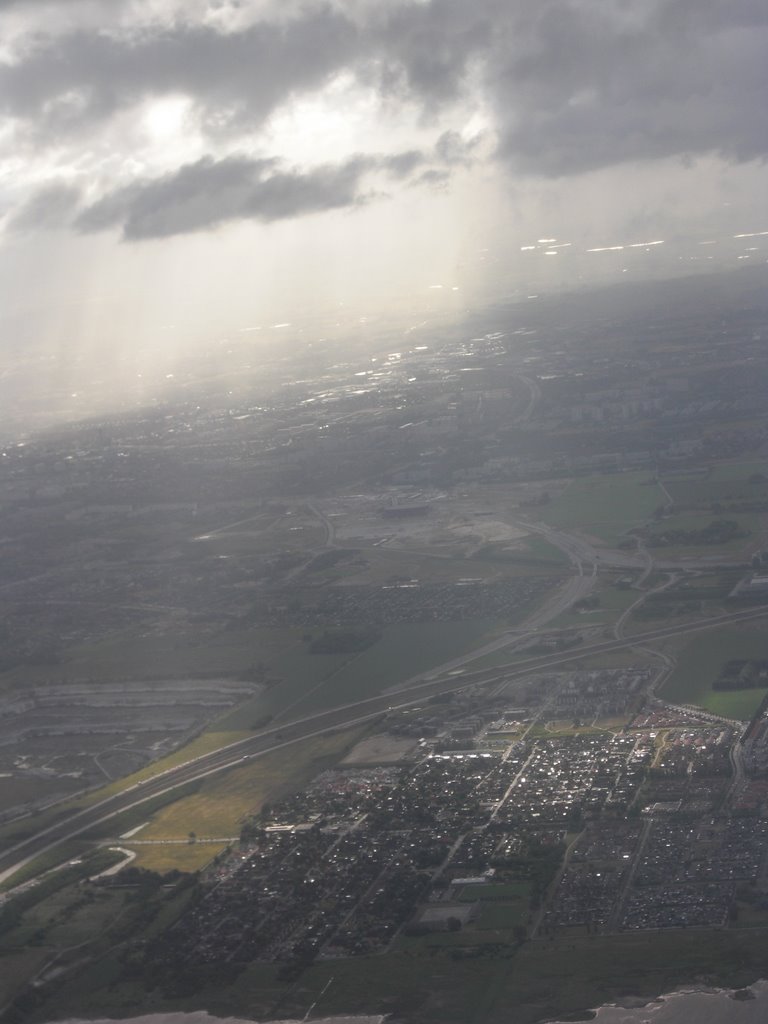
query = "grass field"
{"x": 502, "y": 916}
{"x": 698, "y": 665}
{"x": 67, "y": 919}
{"x": 162, "y": 858}
{"x": 294, "y": 673}
{"x": 404, "y": 650}
{"x": 19, "y": 790}
{"x": 739, "y": 470}
{"x": 604, "y": 507}
{"x": 530, "y": 555}
{"x": 16, "y": 966}
{"x": 495, "y": 893}
{"x": 612, "y": 603}
{"x": 47, "y": 861}
{"x": 184, "y": 652}
{"x": 542, "y": 550}
{"x": 223, "y": 801}
{"x": 703, "y": 491}
{"x": 489, "y": 983}
{"x": 753, "y": 524}
{"x": 322, "y": 681}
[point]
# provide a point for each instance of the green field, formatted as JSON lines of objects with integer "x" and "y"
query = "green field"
{"x": 698, "y": 665}
{"x": 613, "y": 602}
{"x": 486, "y": 983}
{"x": 604, "y": 506}
{"x": 278, "y": 655}
{"x": 20, "y": 789}
{"x": 186, "y": 652}
{"x": 739, "y": 470}
{"x": 495, "y": 892}
{"x": 321, "y": 681}
{"x": 753, "y": 525}
{"x": 532, "y": 554}
{"x": 63, "y": 919}
{"x": 703, "y": 491}
{"x": 163, "y": 858}
{"x": 542, "y": 550}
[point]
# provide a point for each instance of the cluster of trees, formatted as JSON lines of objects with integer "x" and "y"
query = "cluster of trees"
{"x": 718, "y": 531}
{"x": 739, "y": 674}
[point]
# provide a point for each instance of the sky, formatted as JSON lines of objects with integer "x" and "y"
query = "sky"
{"x": 174, "y": 169}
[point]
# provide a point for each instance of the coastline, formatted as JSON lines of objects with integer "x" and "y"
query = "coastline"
{"x": 697, "y": 1004}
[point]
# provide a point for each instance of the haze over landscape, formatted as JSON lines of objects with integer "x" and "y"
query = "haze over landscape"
{"x": 171, "y": 173}
{"x": 383, "y": 510}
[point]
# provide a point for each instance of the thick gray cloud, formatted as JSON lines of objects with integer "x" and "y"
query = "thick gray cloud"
{"x": 571, "y": 86}
{"x": 236, "y": 77}
{"x": 574, "y": 84}
{"x": 591, "y": 89}
{"x": 424, "y": 49}
{"x": 209, "y": 193}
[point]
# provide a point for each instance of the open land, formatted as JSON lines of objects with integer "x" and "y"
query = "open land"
{"x": 381, "y": 592}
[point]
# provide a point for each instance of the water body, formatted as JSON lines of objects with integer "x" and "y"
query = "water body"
{"x": 204, "y": 1018}
{"x": 692, "y": 1006}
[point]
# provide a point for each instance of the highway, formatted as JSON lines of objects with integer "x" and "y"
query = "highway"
{"x": 77, "y": 822}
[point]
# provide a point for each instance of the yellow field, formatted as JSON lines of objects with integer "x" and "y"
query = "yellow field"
{"x": 182, "y": 857}
{"x": 223, "y": 801}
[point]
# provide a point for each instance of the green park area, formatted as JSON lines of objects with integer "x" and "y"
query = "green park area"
{"x": 728, "y": 498}
{"x": 699, "y": 662}
{"x": 604, "y": 506}
{"x": 727, "y": 483}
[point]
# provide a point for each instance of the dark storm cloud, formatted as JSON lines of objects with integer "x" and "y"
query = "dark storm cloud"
{"x": 209, "y": 193}
{"x": 239, "y": 77}
{"x": 425, "y": 48}
{"x": 590, "y": 89}
{"x": 572, "y": 85}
